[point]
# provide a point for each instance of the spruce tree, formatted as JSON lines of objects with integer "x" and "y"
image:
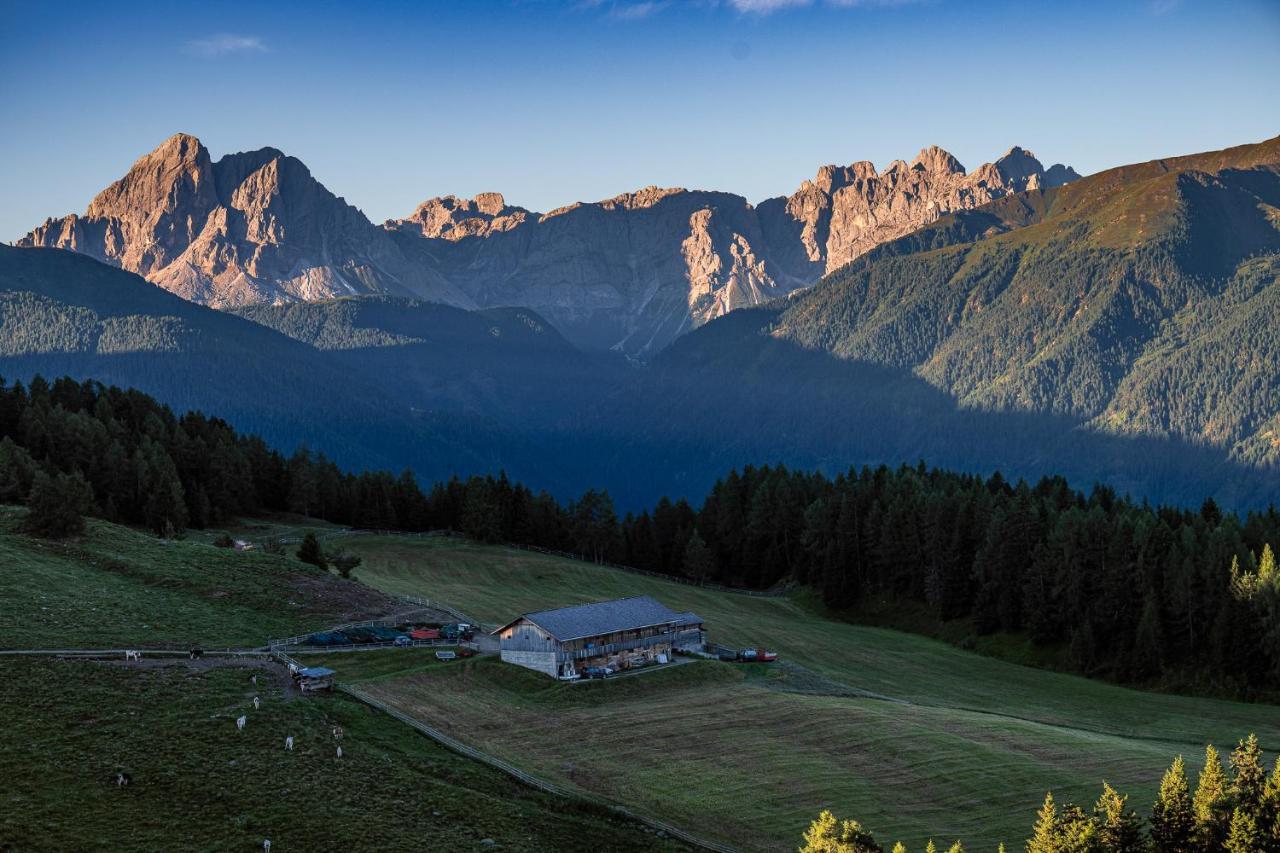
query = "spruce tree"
{"x": 1243, "y": 835}
{"x": 56, "y": 505}
{"x": 930, "y": 847}
{"x": 1249, "y": 777}
{"x": 827, "y": 835}
{"x": 310, "y": 552}
{"x": 1044, "y": 836}
{"x": 1269, "y": 822}
{"x": 1119, "y": 828}
{"x": 957, "y": 847}
{"x": 698, "y": 562}
{"x": 17, "y": 471}
{"x": 1267, "y": 572}
{"x": 1173, "y": 820}
{"x": 899, "y": 847}
{"x": 1211, "y": 802}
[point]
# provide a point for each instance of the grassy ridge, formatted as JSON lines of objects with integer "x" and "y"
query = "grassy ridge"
{"x": 118, "y": 587}
{"x": 968, "y": 753}
{"x": 200, "y": 785}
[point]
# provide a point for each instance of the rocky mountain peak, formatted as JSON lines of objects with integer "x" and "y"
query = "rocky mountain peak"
{"x": 1018, "y": 166}
{"x": 452, "y": 218}
{"x": 251, "y": 227}
{"x": 630, "y": 272}
{"x": 936, "y": 161}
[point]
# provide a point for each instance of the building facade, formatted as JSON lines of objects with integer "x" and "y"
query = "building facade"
{"x": 620, "y": 634}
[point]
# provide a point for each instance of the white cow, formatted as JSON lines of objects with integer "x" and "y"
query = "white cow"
{"x": 240, "y": 721}
{"x": 266, "y": 845}
{"x": 339, "y": 752}
{"x": 132, "y": 654}
{"x": 256, "y": 703}
{"x": 337, "y": 732}
{"x": 288, "y": 743}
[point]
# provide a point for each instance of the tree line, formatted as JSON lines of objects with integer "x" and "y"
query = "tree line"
{"x": 1119, "y": 589}
{"x": 1236, "y": 812}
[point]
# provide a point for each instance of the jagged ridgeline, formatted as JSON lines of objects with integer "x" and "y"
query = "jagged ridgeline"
{"x": 631, "y": 272}
{"x": 1103, "y": 585}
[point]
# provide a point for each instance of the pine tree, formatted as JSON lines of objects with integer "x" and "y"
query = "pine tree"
{"x": 1044, "y": 837}
{"x": 698, "y": 562}
{"x": 1269, "y": 821}
{"x": 56, "y": 505}
{"x": 1119, "y": 828}
{"x": 17, "y": 471}
{"x": 827, "y": 835}
{"x": 899, "y": 847}
{"x": 957, "y": 847}
{"x": 1249, "y": 777}
{"x": 1267, "y": 572}
{"x": 1243, "y": 835}
{"x": 310, "y": 552}
{"x": 1173, "y": 819}
{"x": 1211, "y": 802}
{"x": 930, "y": 847}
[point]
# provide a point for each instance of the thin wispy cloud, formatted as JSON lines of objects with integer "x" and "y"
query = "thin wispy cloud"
{"x": 221, "y": 44}
{"x": 768, "y": 7}
{"x": 765, "y": 7}
{"x": 636, "y": 11}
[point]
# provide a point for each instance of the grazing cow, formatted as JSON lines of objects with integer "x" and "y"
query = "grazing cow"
{"x": 337, "y": 732}
{"x": 240, "y": 721}
{"x": 256, "y": 703}
{"x": 266, "y": 845}
{"x": 254, "y": 679}
{"x": 288, "y": 743}
{"x": 132, "y": 654}
{"x": 196, "y": 654}
{"x": 339, "y": 752}
{"x": 123, "y": 780}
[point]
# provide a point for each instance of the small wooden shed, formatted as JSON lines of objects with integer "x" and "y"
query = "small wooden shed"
{"x": 315, "y": 678}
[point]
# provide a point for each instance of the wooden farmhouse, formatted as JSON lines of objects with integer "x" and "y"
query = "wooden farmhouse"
{"x": 620, "y": 634}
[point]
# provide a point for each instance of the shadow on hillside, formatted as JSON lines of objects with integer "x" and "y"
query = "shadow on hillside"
{"x": 729, "y": 395}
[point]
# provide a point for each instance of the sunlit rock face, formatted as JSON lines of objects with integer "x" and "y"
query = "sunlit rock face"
{"x": 629, "y": 273}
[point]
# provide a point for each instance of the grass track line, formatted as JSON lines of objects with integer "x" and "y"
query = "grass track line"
{"x": 528, "y": 779}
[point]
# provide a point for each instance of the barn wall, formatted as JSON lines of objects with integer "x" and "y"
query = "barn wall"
{"x": 541, "y": 661}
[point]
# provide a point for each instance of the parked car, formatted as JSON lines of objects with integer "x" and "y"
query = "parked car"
{"x": 402, "y": 640}
{"x": 596, "y": 672}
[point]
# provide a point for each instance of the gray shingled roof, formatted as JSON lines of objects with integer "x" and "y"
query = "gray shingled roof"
{"x": 605, "y": 617}
{"x": 689, "y": 618}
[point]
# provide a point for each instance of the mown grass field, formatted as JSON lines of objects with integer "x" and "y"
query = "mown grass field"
{"x": 117, "y": 587}
{"x": 199, "y": 785}
{"x": 749, "y": 757}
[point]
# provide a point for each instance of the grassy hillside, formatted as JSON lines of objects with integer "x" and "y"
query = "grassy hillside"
{"x": 116, "y": 587}
{"x": 967, "y": 751}
{"x": 200, "y": 785}
{"x": 1097, "y": 308}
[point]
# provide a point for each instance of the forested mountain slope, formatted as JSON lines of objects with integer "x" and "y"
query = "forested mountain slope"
{"x": 506, "y": 364}
{"x": 1142, "y": 300}
{"x": 63, "y": 313}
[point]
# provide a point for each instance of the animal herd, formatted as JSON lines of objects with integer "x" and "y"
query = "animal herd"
{"x": 123, "y": 779}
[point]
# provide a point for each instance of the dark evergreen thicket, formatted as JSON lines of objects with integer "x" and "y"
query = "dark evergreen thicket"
{"x": 1237, "y": 813}
{"x": 1128, "y": 591}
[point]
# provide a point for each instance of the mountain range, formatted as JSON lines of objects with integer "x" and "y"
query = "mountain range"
{"x": 629, "y": 273}
{"x": 1119, "y": 327}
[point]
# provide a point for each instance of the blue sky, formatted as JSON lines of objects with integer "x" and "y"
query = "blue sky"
{"x": 553, "y": 102}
